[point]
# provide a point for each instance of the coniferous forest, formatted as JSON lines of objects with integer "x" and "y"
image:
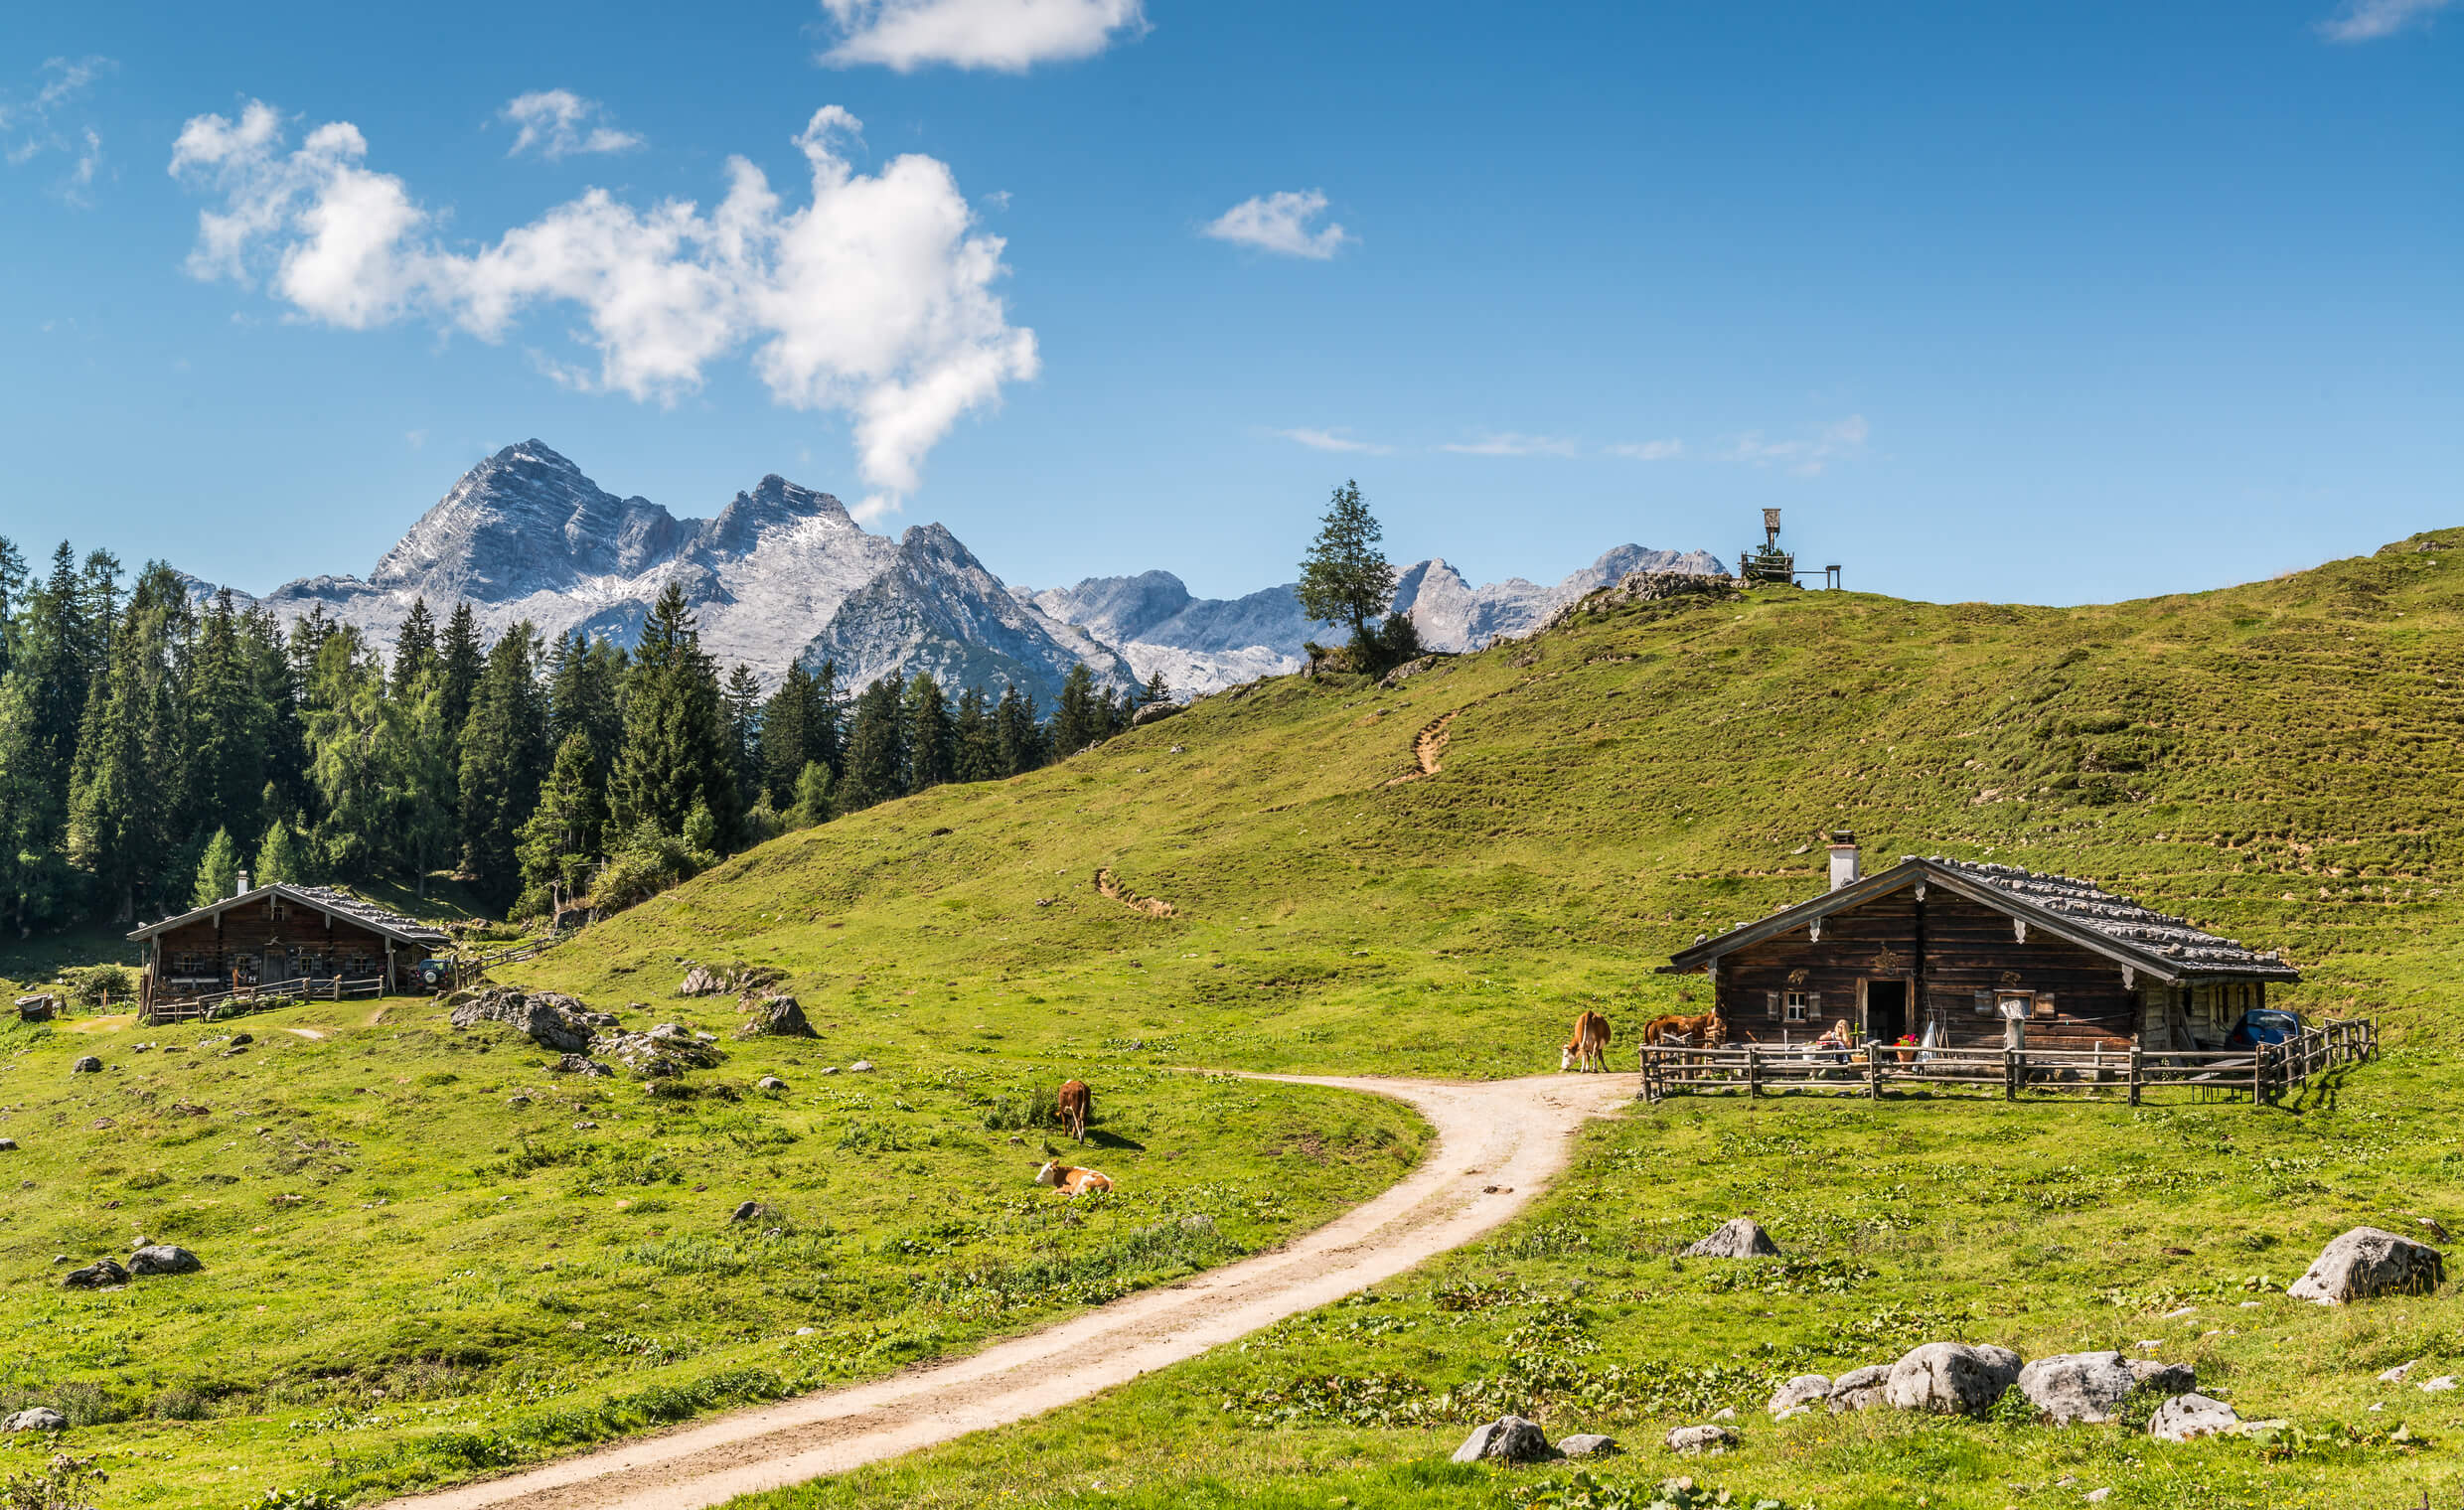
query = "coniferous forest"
{"x": 153, "y": 746}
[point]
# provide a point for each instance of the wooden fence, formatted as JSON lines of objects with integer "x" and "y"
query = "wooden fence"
{"x": 2265, "y": 1074}
{"x": 262, "y": 998}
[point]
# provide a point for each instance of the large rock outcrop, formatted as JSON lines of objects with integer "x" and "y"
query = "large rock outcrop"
{"x": 553, "y": 1022}
{"x": 2068, "y": 1387}
{"x": 2187, "y": 1415}
{"x": 1742, "y": 1237}
{"x": 2367, "y": 1263}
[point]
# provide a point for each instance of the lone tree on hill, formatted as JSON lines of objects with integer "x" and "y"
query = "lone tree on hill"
{"x": 1345, "y": 578}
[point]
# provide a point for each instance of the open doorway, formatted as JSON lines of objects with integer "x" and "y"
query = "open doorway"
{"x": 1886, "y": 1010}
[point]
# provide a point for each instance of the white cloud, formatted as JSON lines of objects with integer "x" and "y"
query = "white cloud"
{"x": 1335, "y": 440}
{"x": 1650, "y": 450}
{"x": 560, "y": 124}
{"x": 1010, "y": 36}
{"x": 874, "y": 301}
{"x": 2369, "y": 20}
{"x": 32, "y": 127}
{"x": 1279, "y": 222}
{"x": 1808, "y": 455}
{"x": 1510, "y": 443}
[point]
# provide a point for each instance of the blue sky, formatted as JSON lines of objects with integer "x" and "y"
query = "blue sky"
{"x": 2055, "y": 303}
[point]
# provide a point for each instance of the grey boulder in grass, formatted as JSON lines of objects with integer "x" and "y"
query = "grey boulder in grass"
{"x": 2367, "y": 1263}
{"x": 1951, "y": 1378}
{"x": 2187, "y": 1415}
{"x": 1509, "y": 1439}
{"x": 1742, "y": 1238}
{"x": 2068, "y": 1387}
{"x": 164, "y": 1258}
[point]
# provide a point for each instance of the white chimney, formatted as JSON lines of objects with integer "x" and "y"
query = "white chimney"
{"x": 1843, "y": 859}
{"x": 241, "y": 889}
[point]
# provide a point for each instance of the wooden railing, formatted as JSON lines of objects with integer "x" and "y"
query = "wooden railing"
{"x": 2264, "y": 1073}
{"x": 261, "y": 996}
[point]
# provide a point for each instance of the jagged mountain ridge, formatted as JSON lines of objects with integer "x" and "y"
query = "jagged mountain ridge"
{"x": 785, "y": 573}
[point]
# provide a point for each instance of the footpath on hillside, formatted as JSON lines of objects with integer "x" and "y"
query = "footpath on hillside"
{"x": 1497, "y": 1144}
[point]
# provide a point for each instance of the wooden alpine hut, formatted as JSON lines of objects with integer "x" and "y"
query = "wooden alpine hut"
{"x": 1956, "y": 954}
{"x": 313, "y": 938}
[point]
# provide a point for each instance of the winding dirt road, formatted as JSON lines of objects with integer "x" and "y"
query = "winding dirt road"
{"x": 1510, "y": 1136}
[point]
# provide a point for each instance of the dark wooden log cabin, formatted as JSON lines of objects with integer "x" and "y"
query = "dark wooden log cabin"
{"x": 1985, "y": 955}
{"x": 277, "y": 933}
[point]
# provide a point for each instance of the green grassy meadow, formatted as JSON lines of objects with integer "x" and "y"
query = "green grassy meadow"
{"x": 2283, "y": 762}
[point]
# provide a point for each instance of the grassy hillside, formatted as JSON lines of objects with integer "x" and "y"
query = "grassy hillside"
{"x": 2283, "y": 762}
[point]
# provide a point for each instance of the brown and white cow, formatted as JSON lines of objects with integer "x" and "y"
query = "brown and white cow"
{"x": 1708, "y": 1031}
{"x": 1077, "y": 1104}
{"x": 1071, "y": 1180}
{"x": 1587, "y": 1049}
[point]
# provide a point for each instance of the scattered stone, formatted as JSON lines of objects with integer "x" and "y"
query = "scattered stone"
{"x": 829, "y": 1069}
{"x": 586, "y": 1127}
{"x": 2176, "y": 1316}
{"x": 1724, "y": 1413}
{"x": 2365, "y": 1263}
{"x": 2163, "y": 1378}
{"x": 2439, "y": 1385}
{"x": 746, "y": 1212}
{"x": 770, "y": 1083}
{"x": 40, "y": 1417}
{"x": 89, "y": 1065}
{"x": 1588, "y": 1445}
{"x": 701, "y": 980}
{"x": 1801, "y": 1391}
{"x": 8, "y": 1146}
{"x": 1951, "y": 1378}
{"x": 1739, "y": 1238}
{"x": 550, "y": 1020}
{"x": 1697, "y": 1441}
{"x": 861, "y": 1067}
{"x": 240, "y": 1040}
{"x": 657, "y": 1053}
{"x": 1155, "y": 712}
{"x": 516, "y": 1100}
{"x": 2098, "y": 1496}
{"x": 2397, "y": 1374}
{"x": 102, "y": 1274}
{"x": 1509, "y": 1439}
{"x": 1792, "y": 1411}
{"x": 2187, "y": 1415}
{"x": 163, "y": 1259}
{"x": 777, "y": 1018}
{"x": 1860, "y": 1388}
{"x": 579, "y": 1064}
{"x": 2069, "y": 1387}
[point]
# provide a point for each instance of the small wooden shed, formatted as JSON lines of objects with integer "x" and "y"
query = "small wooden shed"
{"x": 1978, "y": 956}
{"x": 267, "y": 934}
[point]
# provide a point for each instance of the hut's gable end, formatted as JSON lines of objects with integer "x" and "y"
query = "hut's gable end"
{"x": 237, "y": 946}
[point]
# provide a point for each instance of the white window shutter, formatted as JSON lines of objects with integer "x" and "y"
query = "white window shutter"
{"x": 1984, "y": 1002}
{"x": 1813, "y": 1006}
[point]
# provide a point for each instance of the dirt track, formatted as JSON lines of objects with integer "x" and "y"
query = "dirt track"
{"x": 1512, "y": 1134}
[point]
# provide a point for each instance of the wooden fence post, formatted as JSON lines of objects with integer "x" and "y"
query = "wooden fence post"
{"x": 2010, "y": 1074}
{"x": 1873, "y": 1071}
{"x": 2258, "y": 1075}
{"x": 2134, "y": 1072}
{"x": 1754, "y": 1071}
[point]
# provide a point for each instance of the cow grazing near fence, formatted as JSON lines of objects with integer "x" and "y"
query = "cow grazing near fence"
{"x": 1587, "y": 1049}
{"x": 1077, "y": 1104}
{"x": 1707, "y": 1032}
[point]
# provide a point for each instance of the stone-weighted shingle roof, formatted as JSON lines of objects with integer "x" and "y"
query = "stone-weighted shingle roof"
{"x": 325, "y": 898}
{"x": 2120, "y": 919}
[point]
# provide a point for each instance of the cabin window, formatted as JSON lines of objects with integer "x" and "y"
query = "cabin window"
{"x": 2015, "y": 1006}
{"x": 1801, "y": 1007}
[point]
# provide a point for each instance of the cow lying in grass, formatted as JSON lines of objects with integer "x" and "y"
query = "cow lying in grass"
{"x": 1077, "y": 1104}
{"x": 1069, "y": 1180}
{"x": 1587, "y": 1049}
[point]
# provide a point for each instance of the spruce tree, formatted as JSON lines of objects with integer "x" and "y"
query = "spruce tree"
{"x": 876, "y": 756}
{"x": 561, "y": 843}
{"x": 11, "y": 598}
{"x": 826, "y": 730}
{"x": 55, "y": 653}
{"x": 415, "y": 647}
{"x": 978, "y": 742}
{"x": 1345, "y": 578}
{"x": 460, "y": 657}
{"x": 217, "y": 874}
{"x": 1018, "y": 734}
{"x": 932, "y": 739}
{"x": 124, "y": 786}
{"x": 36, "y": 883}
{"x": 743, "y": 699}
{"x": 1079, "y": 720}
{"x": 226, "y": 746}
{"x": 266, "y": 655}
{"x": 587, "y": 695}
{"x": 677, "y": 743}
{"x": 355, "y": 753}
{"x": 426, "y": 833}
{"x": 504, "y": 758}
{"x": 786, "y": 734}
{"x": 1157, "y": 689}
{"x": 815, "y": 803}
{"x": 278, "y": 857}
{"x": 98, "y": 592}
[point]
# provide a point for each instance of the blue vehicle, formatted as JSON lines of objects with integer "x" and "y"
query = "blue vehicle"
{"x": 2264, "y": 1024}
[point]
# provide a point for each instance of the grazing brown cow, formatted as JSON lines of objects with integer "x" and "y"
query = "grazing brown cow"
{"x": 1077, "y": 1104}
{"x": 1587, "y": 1049}
{"x": 1071, "y": 1180}
{"x": 1708, "y": 1031}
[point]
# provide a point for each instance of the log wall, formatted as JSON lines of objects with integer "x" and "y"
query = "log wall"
{"x": 228, "y": 951}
